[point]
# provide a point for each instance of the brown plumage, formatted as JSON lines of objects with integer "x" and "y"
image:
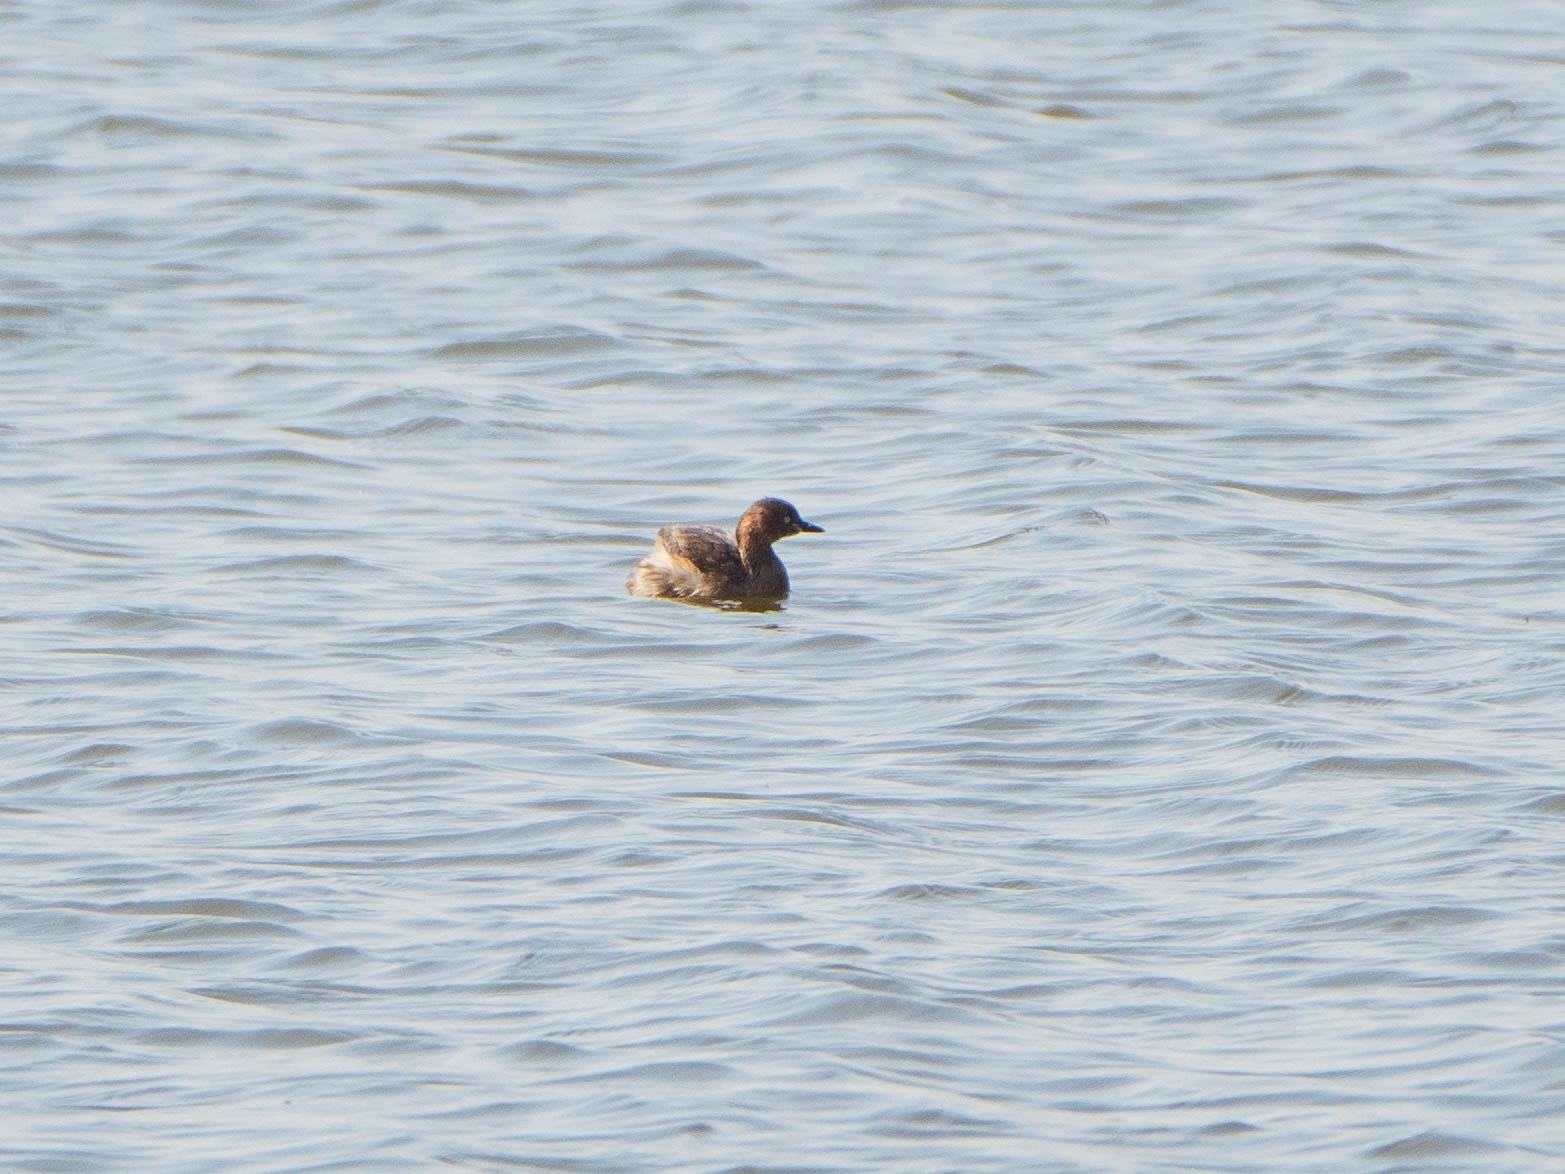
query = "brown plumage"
{"x": 704, "y": 564}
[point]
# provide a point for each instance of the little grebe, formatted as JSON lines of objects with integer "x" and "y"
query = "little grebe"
{"x": 702, "y": 563}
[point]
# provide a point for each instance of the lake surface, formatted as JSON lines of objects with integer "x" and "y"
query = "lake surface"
{"x": 1157, "y": 767}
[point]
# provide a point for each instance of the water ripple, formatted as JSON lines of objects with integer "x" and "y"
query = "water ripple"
{"x": 1155, "y": 766}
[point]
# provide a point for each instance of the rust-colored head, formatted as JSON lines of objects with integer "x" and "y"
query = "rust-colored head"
{"x": 772, "y": 518}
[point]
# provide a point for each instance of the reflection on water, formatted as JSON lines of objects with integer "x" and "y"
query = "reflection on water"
{"x": 1156, "y": 768}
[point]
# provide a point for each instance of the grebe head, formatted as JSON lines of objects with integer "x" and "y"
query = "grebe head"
{"x": 772, "y": 518}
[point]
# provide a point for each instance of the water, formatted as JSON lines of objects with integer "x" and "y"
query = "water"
{"x": 1156, "y": 768}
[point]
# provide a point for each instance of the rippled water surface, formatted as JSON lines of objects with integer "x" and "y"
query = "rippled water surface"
{"x": 1157, "y": 767}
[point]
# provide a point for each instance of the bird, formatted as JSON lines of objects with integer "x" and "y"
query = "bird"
{"x": 702, "y": 564}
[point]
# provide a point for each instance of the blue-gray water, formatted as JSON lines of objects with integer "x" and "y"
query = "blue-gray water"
{"x": 1157, "y": 768}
